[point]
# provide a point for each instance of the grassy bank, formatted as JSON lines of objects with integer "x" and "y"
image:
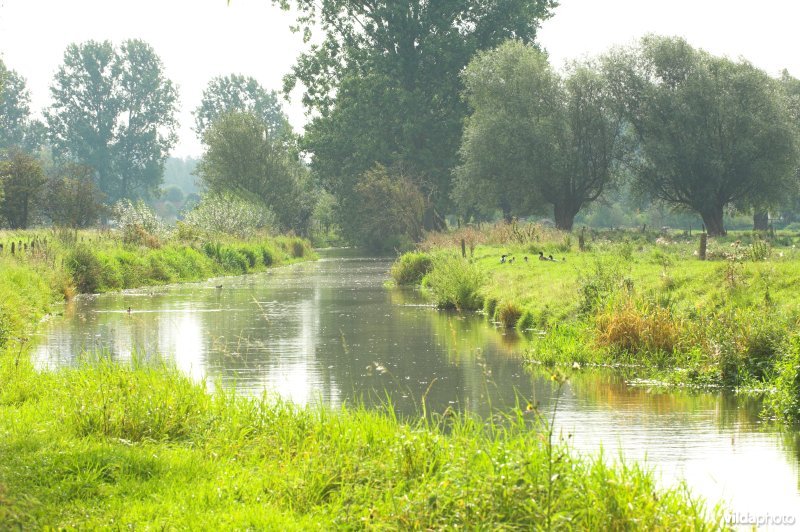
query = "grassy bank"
{"x": 641, "y": 300}
{"x": 141, "y": 445}
{"x": 48, "y": 266}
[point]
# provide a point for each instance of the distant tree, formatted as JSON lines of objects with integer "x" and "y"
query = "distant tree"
{"x": 181, "y": 173}
{"x": 534, "y": 137}
{"x": 225, "y": 94}
{"x": 22, "y": 180}
{"x": 17, "y": 129}
{"x": 72, "y": 198}
{"x": 244, "y": 158}
{"x": 385, "y": 88}
{"x": 713, "y": 133}
{"x": 114, "y": 110}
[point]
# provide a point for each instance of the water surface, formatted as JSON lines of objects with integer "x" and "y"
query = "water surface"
{"x": 331, "y": 332}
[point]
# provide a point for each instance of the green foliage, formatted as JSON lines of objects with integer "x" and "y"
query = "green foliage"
{"x": 229, "y": 214}
{"x": 455, "y": 283}
{"x": 114, "y": 110}
{"x": 785, "y": 402}
{"x": 384, "y": 86}
{"x": 17, "y": 130}
{"x": 85, "y": 268}
{"x": 244, "y": 158}
{"x": 387, "y": 210}
{"x": 410, "y": 268}
{"x": 225, "y": 94}
{"x": 555, "y": 139}
{"x": 72, "y": 198}
{"x": 678, "y": 99}
{"x": 21, "y": 181}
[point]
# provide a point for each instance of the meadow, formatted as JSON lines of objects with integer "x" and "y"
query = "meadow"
{"x": 641, "y": 301}
{"x": 106, "y": 444}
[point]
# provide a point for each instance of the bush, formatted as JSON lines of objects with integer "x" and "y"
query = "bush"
{"x": 526, "y": 321}
{"x": 230, "y": 214}
{"x": 489, "y": 306}
{"x": 455, "y": 283}
{"x": 85, "y": 268}
{"x": 785, "y": 402}
{"x": 508, "y": 313}
{"x": 411, "y": 268}
{"x": 138, "y": 224}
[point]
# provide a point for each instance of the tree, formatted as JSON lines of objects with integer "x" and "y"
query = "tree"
{"x": 17, "y": 129}
{"x": 244, "y": 158}
{"x": 385, "y": 84}
{"x": 713, "y": 133}
{"x": 22, "y": 180}
{"x": 114, "y": 110}
{"x": 225, "y": 94}
{"x": 534, "y": 137}
{"x": 73, "y": 199}
{"x": 390, "y": 209}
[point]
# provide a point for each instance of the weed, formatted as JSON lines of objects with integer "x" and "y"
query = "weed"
{"x": 410, "y": 268}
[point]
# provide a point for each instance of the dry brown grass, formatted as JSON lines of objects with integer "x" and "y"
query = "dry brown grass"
{"x": 500, "y": 233}
{"x": 638, "y": 328}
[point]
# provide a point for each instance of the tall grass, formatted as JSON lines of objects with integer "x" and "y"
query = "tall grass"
{"x": 140, "y": 445}
{"x": 455, "y": 283}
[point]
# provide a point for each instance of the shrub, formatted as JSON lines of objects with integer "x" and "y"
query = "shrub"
{"x": 410, "y": 268}
{"x": 85, "y": 268}
{"x": 508, "y": 313}
{"x": 230, "y": 214}
{"x": 455, "y": 282}
{"x": 785, "y": 402}
{"x": 526, "y": 321}
{"x": 138, "y": 224}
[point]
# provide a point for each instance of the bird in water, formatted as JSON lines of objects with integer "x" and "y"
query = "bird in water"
{"x": 129, "y": 310}
{"x": 218, "y": 287}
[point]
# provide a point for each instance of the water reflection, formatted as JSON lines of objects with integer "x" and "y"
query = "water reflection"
{"x": 331, "y": 331}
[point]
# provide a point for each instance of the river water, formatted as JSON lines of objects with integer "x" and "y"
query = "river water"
{"x": 331, "y": 331}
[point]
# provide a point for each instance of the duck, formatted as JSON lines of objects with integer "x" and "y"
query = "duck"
{"x": 542, "y": 257}
{"x": 503, "y": 259}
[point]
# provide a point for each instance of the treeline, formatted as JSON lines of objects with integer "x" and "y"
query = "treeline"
{"x": 106, "y": 137}
{"x": 425, "y": 113}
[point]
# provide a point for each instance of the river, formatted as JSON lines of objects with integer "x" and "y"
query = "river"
{"x": 330, "y": 331}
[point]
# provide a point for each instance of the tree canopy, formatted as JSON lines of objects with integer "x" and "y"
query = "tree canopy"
{"x": 713, "y": 132}
{"x": 17, "y": 129}
{"x": 114, "y": 110}
{"x": 534, "y": 137}
{"x": 234, "y": 92}
{"x": 244, "y": 158}
{"x": 385, "y": 85}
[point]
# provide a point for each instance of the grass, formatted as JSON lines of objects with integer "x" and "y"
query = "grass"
{"x": 141, "y": 445}
{"x": 639, "y": 299}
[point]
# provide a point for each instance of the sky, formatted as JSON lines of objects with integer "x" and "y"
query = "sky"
{"x": 200, "y": 39}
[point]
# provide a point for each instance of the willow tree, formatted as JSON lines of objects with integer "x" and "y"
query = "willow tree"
{"x": 713, "y": 132}
{"x": 384, "y": 84}
{"x": 535, "y": 137}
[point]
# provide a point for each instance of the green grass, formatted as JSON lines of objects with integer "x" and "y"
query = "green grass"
{"x": 639, "y": 300}
{"x": 141, "y": 445}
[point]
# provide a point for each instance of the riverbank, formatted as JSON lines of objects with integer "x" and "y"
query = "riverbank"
{"x": 49, "y": 266}
{"x": 106, "y": 444}
{"x": 644, "y": 302}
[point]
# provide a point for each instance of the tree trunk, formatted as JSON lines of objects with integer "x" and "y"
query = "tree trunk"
{"x": 760, "y": 220}
{"x": 564, "y": 215}
{"x": 712, "y": 218}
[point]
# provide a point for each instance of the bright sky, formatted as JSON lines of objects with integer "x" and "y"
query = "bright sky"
{"x": 200, "y": 39}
